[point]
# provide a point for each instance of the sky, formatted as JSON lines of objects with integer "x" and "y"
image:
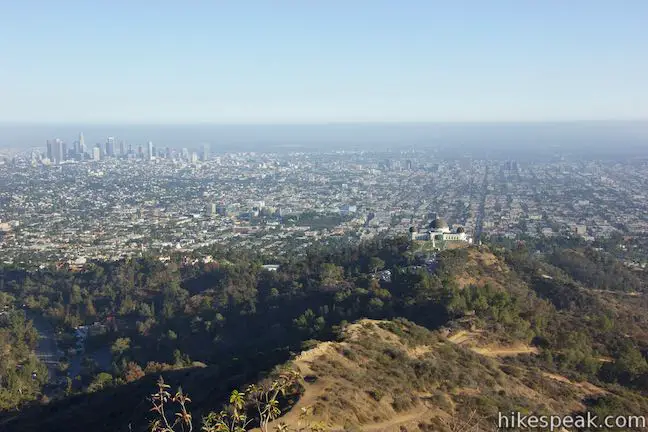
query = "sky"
{"x": 285, "y": 62}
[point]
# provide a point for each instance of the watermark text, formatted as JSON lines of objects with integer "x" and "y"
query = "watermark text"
{"x": 518, "y": 421}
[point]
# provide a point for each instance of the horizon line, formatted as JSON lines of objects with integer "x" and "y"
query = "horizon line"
{"x": 322, "y": 123}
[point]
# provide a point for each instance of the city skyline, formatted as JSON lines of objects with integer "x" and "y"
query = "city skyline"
{"x": 518, "y": 136}
{"x": 58, "y": 151}
{"x": 227, "y": 63}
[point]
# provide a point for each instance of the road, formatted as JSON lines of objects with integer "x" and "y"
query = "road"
{"x": 49, "y": 353}
{"x": 479, "y": 223}
{"x": 46, "y": 350}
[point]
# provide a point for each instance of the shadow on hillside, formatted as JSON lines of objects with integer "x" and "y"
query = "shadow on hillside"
{"x": 127, "y": 408}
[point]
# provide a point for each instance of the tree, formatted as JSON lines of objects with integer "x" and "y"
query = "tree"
{"x": 100, "y": 381}
{"x": 133, "y": 372}
{"x": 630, "y": 365}
{"x": 127, "y": 306}
{"x": 376, "y": 264}
{"x": 90, "y": 310}
{"x": 120, "y": 346}
{"x": 181, "y": 360}
{"x": 75, "y": 295}
{"x": 375, "y": 304}
{"x": 331, "y": 274}
{"x": 5, "y": 298}
{"x": 145, "y": 311}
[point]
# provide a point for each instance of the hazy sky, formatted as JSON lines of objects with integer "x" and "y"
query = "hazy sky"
{"x": 241, "y": 61}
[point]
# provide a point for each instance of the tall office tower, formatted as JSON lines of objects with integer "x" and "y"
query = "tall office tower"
{"x": 96, "y": 153}
{"x": 50, "y": 150}
{"x": 110, "y": 147}
{"x": 78, "y": 153}
{"x": 205, "y": 152}
{"x": 194, "y": 157}
{"x": 167, "y": 153}
{"x": 122, "y": 148}
{"x": 149, "y": 151}
{"x": 82, "y": 147}
{"x": 58, "y": 151}
{"x": 185, "y": 154}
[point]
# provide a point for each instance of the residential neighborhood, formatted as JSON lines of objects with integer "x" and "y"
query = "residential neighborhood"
{"x": 71, "y": 211}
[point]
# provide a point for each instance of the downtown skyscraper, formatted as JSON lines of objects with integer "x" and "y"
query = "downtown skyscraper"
{"x": 110, "y": 147}
{"x": 81, "y": 148}
{"x": 56, "y": 151}
{"x": 205, "y": 152}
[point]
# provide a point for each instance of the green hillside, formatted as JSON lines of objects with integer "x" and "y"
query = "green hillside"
{"x": 400, "y": 336}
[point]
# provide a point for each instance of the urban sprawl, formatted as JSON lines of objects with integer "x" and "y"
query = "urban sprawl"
{"x": 71, "y": 204}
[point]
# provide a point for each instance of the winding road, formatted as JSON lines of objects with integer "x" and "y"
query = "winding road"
{"x": 49, "y": 353}
{"x": 47, "y": 350}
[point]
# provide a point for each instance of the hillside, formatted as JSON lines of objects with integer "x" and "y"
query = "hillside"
{"x": 518, "y": 339}
{"x": 386, "y": 375}
{"x": 442, "y": 340}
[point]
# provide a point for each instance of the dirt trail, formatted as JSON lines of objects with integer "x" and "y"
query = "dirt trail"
{"x": 396, "y": 422}
{"x": 505, "y": 351}
{"x": 618, "y": 293}
{"x": 586, "y": 386}
{"x": 415, "y": 415}
{"x": 313, "y": 391}
{"x": 460, "y": 337}
{"x": 303, "y": 360}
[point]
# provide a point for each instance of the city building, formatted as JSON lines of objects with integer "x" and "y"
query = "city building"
{"x": 57, "y": 151}
{"x": 50, "y": 150}
{"x": 110, "y": 147}
{"x": 213, "y": 209}
{"x": 205, "y": 152}
{"x": 439, "y": 233}
{"x": 150, "y": 152}
{"x": 81, "y": 144}
{"x": 580, "y": 229}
